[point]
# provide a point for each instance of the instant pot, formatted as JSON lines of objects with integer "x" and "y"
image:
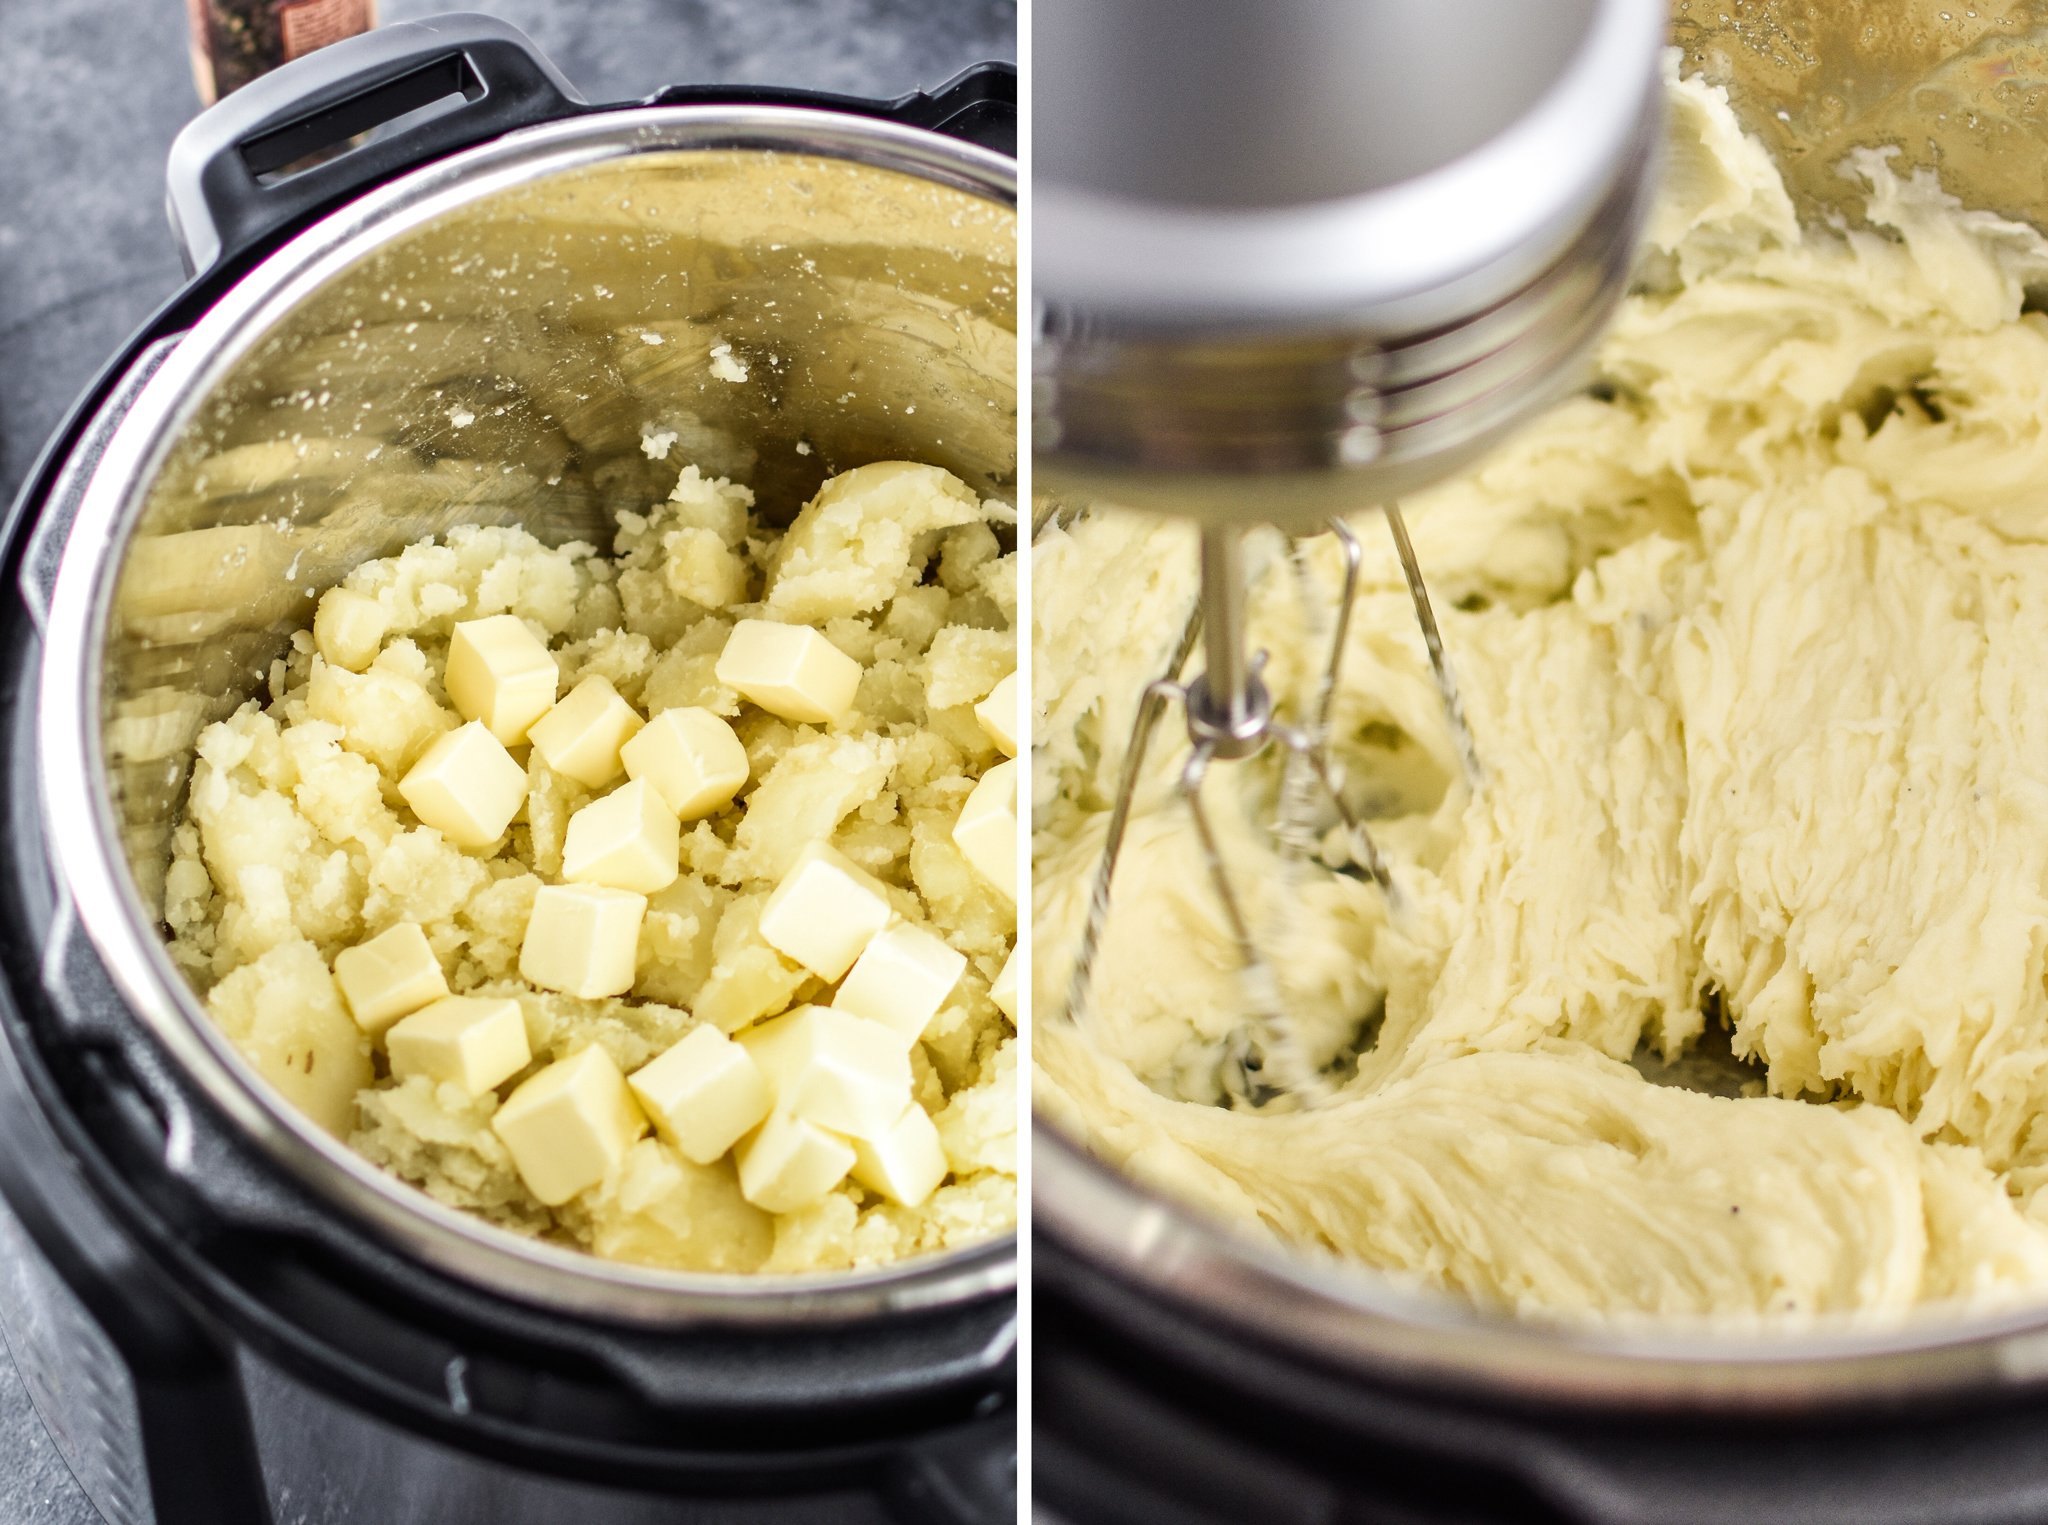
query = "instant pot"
{"x": 223, "y": 1315}
{"x": 1183, "y": 1373}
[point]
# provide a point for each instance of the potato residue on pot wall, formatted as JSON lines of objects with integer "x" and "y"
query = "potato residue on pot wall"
{"x": 1751, "y": 639}
{"x": 298, "y": 844}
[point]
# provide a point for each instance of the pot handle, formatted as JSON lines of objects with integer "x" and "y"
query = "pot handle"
{"x": 978, "y": 105}
{"x": 260, "y": 159}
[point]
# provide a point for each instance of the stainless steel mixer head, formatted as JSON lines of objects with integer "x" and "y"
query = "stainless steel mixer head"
{"x": 1296, "y": 260}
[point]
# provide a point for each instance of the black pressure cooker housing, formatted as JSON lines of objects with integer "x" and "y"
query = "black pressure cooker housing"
{"x": 901, "y": 1417}
{"x": 1147, "y": 1410}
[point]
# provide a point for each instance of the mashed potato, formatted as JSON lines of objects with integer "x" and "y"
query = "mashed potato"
{"x": 296, "y": 844}
{"x": 1750, "y": 638}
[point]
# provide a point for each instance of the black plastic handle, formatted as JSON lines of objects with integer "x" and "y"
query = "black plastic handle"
{"x": 234, "y": 178}
{"x": 978, "y": 105}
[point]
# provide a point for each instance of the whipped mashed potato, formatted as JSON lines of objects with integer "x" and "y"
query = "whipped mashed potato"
{"x": 296, "y": 844}
{"x": 1752, "y": 641}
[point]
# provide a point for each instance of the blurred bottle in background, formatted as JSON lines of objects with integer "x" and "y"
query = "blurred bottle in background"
{"x": 233, "y": 41}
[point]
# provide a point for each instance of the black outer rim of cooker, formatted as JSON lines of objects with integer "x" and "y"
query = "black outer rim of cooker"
{"x": 1145, "y": 1410}
{"x": 896, "y": 1402}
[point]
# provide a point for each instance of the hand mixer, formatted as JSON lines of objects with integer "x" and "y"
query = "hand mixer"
{"x": 1295, "y": 260}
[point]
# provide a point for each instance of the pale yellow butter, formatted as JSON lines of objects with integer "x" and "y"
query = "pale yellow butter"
{"x": 998, "y": 715}
{"x": 900, "y": 980}
{"x": 580, "y": 737}
{"x": 905, "y": 1162}
{"x": 583, "y": 939}
{"x": 628, "y": 840}
{"x": 476, "y": 1042}
{"x": 1004, "y": 991}
{"x": 499, "y": 672}
{"x": 466, "y": 786}
{"x": 348, "y": 628}
{"x": 570, "y": 1125}
{"x": 986, "y": 832}
{"x": 824, "y": 911}
{"x": 388, "y": 976}
{"x": 789, "y": 670}
{"x": 788, "y": 1163}
{"x": 703, "y": 1094}
{"x": 839, "y": 1071}
{"x": 693, "y": 759}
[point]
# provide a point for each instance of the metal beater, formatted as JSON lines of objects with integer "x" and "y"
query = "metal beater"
{"x": 1299, "y": 259}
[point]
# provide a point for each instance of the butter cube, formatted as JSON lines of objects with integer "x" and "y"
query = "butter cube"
{"x": 466, "y": 786}
{"x": 569, "y": 1126}
{"x": 1004, "y": 991}
{"x": 900, "y": 980}
{"x": 906, "y": 1163}
{"x": 499, "y": 672}
{"x": 703, "y": 1094}
{"x": 789, "y": 670}
{"x": 693, "y": 759}
{"x": 986, "y": 832}
{"x": 628, "y": 840}
{"x": 477, "y": 1042}
{"x": 392, "y": 974}
{"x": 348, "y": 628}
{"x": 583, "y": 940}
{"x": 998, "y": 715}
{"x": 824, "y": 911}
{"x": 841, "y": 1072}
{"x": 788, "y": 1163}
{"x": 580, "y": 737}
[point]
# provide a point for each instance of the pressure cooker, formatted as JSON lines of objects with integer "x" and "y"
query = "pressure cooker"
{"x": 224, "y": 1316}
{"x": 1183, "y": 1372}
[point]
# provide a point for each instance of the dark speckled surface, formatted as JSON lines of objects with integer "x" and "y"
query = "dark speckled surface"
{"x": 91, "y": 93}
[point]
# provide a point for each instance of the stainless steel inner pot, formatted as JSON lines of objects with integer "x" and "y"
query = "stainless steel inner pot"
{"x": 481, "y": 341}
{"x": 1953, "y": 88}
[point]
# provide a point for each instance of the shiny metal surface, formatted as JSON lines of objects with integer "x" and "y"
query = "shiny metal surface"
{"x": 310, "y": 422}
{"x": 1436, "y": 280}
{"x": 1951, "y": 88}
{"x": 1333, "y": 1314}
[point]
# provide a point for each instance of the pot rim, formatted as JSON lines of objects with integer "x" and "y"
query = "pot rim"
{"x": 1347, "y": 1317}
{"x": 93, "y": 874}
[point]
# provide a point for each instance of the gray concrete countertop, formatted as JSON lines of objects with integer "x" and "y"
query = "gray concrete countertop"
{"x": 91, "y": 93}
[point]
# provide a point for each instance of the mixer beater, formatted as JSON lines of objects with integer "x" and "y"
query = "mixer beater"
{"x": 1231, "y": 717}
{"x": 1295, "y": 258}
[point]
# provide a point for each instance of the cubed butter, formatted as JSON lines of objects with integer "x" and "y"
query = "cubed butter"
{"x": 569, "y": 1126}
{"x": 703, "y": 1094}
{"x": 582, "y": 939}
{"x": 629, "y": 840}
{"x": 900, "y": 980}
{"x": 500, "y": 672}
{"x": 824, "y": 912}
{"x": 841, "y": 1072}
{"x": 1004, "y": 991}
{"x": 466, "y": 786}
{"x": 906, "y": 1163}
{"x": 986, "y": 832}
{"x": 478, "y": 1042}
{"x": 348, "y": 628}
{"x": 392, "y": 974}
{"x": 998, "y": 715}
{"x": 692, "y": 758}
{"x": 789, "y": 670}
{"x": 580, "y": 737}
{"x": 788, "y": 1163}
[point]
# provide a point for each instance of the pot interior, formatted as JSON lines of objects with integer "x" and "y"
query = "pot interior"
{"x": 537, "y": 334}
{"x": 503, "y": 363}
